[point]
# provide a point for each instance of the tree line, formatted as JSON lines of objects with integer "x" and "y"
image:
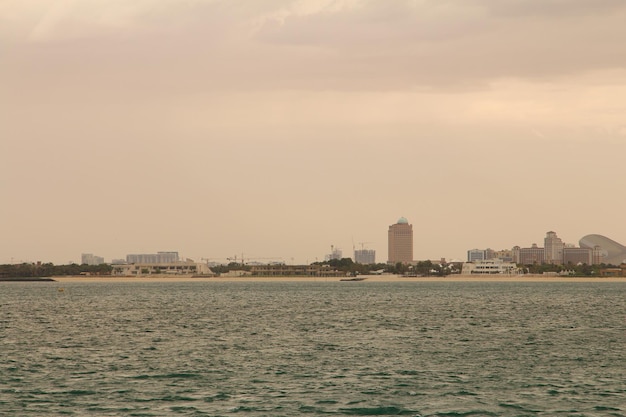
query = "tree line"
{"x": 578, "y": 270}
{"x": 36, "y": 270}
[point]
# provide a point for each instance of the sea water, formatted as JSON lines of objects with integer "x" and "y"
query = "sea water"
{"x": 313, "y": 348}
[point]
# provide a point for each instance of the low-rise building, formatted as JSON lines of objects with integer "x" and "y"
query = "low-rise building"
{"x": 282, "y": 270}
{"x": 167, "y": 268}
{"x": 490, "y": 267}
{"x": 614, "y": 272}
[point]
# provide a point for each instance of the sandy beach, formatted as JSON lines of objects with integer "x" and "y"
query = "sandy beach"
{"x": 369, "y": 278}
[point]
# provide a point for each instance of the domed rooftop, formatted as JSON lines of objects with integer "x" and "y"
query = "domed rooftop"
{"x": 612, "y": 252}
{"x": 403, "y": 220}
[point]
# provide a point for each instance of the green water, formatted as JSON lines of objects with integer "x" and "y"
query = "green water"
{"x": 315, "y": 348}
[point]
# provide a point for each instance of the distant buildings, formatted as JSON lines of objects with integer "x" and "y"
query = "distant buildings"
{"x": 528, "y": 256}
{"x": 150, "y": 258}
{"x": 91, "y": 259}
{"x": 474, "y": 255}
{"x": 365, "y": 256}
{"x": 400, "y": 242}
{"x": 593, "y": 250}
{"x": 335, "y": 253}
{"x": 485, "y": 254}
{"x": 575, "y": 256}
{"x": 160, "y": 263}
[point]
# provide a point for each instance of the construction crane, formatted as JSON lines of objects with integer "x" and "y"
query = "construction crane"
{"x": 242, "y": 261}
{"x": 217, "y": 261}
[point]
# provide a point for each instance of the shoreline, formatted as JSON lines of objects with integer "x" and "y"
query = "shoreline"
{"x": 369, "y": 278}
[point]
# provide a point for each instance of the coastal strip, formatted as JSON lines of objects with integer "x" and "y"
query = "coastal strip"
{"x": 368, "y": 278}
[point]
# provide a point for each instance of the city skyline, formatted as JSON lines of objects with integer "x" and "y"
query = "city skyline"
{"x": 279, "y": 128}
{"x": 593, "y": 249}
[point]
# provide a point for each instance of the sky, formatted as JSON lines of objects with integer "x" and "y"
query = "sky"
{"x": 274, "y": 129}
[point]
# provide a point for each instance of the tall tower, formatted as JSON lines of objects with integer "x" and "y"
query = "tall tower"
{"x": 400, "y": 239}
{"x": 553, "y": 247}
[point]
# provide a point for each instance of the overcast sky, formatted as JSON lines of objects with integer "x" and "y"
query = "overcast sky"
{"x": 278, "y": 128}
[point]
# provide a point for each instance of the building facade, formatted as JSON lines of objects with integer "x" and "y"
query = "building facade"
{"x": 575, "y": 256}
{"x": 553, "y": 247}
{"x": 400, "y": 242}
{"x": 162, "y": 268}
{"x": 490, "y": 267}
{"x": 282, "y": 270}
{"x": 474, "y": 255}
{"x": 528, "y": 256}
{"x": 152, "y": 258}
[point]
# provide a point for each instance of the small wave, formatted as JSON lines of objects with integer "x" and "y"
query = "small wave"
{"x": 379, "y": 411}
{"x": 80, "y": 392}
{"x": 466, "y": 413}
{"x": 604, "y": 408}
{"x": 176, "y": 375}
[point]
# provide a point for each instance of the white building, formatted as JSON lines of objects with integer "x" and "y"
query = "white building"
{"x": 490, "y": 267}
{"x": 167, "y": 268}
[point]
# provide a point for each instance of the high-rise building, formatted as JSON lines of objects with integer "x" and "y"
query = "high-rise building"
{"x": 335, "y": 253}
{"x": 365, "y": 256}
{"x": 553, "y": 247}
{"x": 91, "y": 259}
{"x": 400, "y": 242}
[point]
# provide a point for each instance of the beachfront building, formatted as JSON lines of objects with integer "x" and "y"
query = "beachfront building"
{"x": 365, "y": 256}
{"x": 605, "y": 250}
{"x": 575, "y": 256}
{"x": 165, "y": 268}
{"x": 282, "y": 270}
{"x": 614, "y": 272}
{"x": 490, "y": 267}
{"x": 400, "y": 242}
{"x": 528, "y": 256}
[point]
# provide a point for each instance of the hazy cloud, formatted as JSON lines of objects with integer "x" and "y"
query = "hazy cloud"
{"x": 331, "y": 117}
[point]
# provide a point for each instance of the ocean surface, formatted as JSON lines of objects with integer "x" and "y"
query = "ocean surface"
{"x": 313, "y": 348}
